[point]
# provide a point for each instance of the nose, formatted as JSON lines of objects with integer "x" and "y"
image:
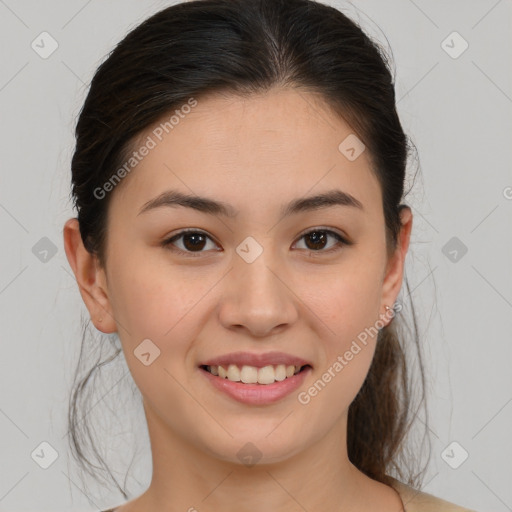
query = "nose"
{"x": 257, "y": 298}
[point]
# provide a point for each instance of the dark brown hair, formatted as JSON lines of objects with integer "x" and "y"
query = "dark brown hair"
{"x": 243, "y": 47}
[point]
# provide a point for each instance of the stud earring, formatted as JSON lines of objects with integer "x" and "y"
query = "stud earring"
{"x": 388, "y": 309}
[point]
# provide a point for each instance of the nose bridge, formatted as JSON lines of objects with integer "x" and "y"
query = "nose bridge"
{"x": 258, "y": 298}
{"x": 259, "y": 275}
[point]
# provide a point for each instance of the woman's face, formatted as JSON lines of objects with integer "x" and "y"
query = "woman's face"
{"x": 253, "y": 281}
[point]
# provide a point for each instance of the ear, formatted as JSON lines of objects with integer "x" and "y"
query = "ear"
{"x": 90, "y": 277}
{"x": 395, "y": 267}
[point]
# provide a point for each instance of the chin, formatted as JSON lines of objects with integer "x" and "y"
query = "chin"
{"x": 256, "y": 444}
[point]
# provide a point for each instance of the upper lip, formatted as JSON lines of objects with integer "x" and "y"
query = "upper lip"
{"x": 259, "y": 360}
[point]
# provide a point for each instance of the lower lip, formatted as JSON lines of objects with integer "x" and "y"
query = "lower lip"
{"x": 257, "y": 394}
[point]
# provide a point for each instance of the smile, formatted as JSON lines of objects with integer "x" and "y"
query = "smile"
{"x": 253, "y": 375}
{"x": 256, "y": 386}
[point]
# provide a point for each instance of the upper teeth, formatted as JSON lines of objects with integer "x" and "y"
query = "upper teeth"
{"x": 253, "y": 375}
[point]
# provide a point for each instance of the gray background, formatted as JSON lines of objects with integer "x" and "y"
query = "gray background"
{"x": 457, "y": 111}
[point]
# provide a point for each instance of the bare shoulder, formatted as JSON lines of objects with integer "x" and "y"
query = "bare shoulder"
{"x": 419, "y": 501}
{"x": 134, "y": 505}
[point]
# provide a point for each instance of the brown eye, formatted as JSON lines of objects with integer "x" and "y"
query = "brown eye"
{"x": 317, "y": 239}
{"x": 192, "y": 242}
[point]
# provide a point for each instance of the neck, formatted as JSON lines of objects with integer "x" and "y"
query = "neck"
{"x": 187, "y": 478}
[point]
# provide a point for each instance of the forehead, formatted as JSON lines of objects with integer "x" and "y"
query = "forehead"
{"x": 249, "y": 152}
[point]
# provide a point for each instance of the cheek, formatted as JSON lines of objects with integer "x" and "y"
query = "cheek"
{"x": 148, "y": 306}
{"x": 348, "y": 304}
{"x": 348, "y": 350}
{"x": 151, "y": 301}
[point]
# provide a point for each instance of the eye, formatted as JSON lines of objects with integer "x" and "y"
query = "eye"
{"x": 193, "y": 242}
{"x": 318, "y": 238}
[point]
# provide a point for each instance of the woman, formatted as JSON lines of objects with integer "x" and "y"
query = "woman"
{"x": 238, "y": 177}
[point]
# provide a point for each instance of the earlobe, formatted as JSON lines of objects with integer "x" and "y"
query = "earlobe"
{"x": 90, "y": 278}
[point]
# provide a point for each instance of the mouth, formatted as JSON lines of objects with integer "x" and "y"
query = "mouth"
{"x": 246, "y": 374}
{"x": 255, "y": 385}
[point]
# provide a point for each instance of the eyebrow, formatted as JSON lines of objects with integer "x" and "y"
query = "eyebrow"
{"x": 173, "y": 198}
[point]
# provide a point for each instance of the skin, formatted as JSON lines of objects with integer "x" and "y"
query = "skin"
{"x": 255, "y": 154}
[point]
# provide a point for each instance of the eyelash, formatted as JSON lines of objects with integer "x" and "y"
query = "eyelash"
{"x": 337, "y": 247}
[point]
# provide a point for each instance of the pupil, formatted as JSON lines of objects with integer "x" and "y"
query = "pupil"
{"x": 197, "y": 240}
{"x": 314, "y": 235}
